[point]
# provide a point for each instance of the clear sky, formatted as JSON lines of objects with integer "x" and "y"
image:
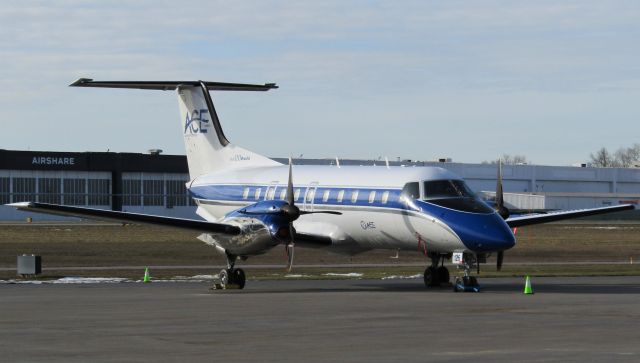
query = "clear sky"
{"x": 469, "y": 80}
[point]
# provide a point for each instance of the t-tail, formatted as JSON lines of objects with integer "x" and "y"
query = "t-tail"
{"x": 208, "y": 149}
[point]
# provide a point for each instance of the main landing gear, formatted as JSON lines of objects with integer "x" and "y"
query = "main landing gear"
{"x": 436, "y": 274}
{"x": 232, "y": 277}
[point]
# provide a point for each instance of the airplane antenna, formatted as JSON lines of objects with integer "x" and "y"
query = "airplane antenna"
{"x": 337, "y": 162}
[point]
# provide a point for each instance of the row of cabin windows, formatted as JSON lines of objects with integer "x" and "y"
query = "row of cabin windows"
{"x": 384, "y": 196}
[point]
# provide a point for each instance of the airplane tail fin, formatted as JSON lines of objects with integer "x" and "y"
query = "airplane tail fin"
{"x": 208, "y": 149}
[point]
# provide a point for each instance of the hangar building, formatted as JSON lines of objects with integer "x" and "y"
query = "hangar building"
{"x": 155, "y": 184}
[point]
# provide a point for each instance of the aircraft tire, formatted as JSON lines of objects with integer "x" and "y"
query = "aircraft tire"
{"x": 431, "y": 277}
{"x": 443, "y": 275}
{"x": 239, "y": 278}
{"x": 225, "y": 277}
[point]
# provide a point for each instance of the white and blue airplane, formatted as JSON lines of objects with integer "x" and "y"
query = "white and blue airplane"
{"x": 251, "y": 204}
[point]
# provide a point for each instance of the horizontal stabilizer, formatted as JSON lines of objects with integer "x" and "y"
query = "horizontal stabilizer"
{"x": 172, "y": 85}
{"x": 527, "y": 220}
{"x": 101, "y": 214}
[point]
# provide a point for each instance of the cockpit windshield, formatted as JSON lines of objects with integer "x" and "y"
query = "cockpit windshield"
{"x": 454, "y": 194}
{"x": 436, "y": 189}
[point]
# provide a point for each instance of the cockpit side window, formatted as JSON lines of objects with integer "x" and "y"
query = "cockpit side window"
{"x": 411, "y": 190}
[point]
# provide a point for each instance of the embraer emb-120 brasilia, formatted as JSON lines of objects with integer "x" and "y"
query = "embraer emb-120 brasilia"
{"x": 251, "y": 204}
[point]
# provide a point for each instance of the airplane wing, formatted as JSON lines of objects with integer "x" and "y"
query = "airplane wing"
{"x": 527, "y": 220}
{"x": 101, "y": 214}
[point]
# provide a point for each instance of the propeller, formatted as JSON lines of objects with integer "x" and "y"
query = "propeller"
{"x": 501, "y": 209}
{"x": 292, "y": 212}
{"x": 499, "y": 260}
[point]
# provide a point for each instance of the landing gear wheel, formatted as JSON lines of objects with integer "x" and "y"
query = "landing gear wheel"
{"x": 456, "y": 283}
{"x": 225, "y": 278}
{"x": 431, "y": 277}
{"x": 466, "y": 284}
{"x": 239, "y": 278}
{"x": 443, "y": 275}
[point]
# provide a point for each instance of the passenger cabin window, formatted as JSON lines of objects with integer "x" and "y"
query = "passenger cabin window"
{"x": 372, "y": 196}
{"x": 311, "y": 193}
{"x": 245, "y": 193}
{"x": 296, "y": 195}
{"x": 283, "y": 194}
{"x": 385, "y": 197}
{"x": 340, "y": 196}
{"x": 271, "y": 191}
{"x": 411, "y": 191}
{"x": 325, "y": 196}
{"x": 354, "y": 196}
{"x": 258, "y": 192}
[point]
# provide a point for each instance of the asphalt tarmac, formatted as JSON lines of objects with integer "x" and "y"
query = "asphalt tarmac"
{"x": 567, "y": 319}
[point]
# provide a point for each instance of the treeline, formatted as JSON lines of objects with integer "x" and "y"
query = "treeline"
{"x": 509, "y": 160}
{"x": 624, "y": 157}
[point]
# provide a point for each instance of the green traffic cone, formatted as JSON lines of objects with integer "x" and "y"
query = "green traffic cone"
{"x": 527, "y": 286}
{"x": 146, "y": 278}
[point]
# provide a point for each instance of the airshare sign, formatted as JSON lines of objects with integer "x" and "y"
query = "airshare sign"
{"x": 52, "y": 160}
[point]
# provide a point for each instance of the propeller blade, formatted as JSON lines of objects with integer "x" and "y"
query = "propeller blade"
{"x": 290, "y": 248}
{"x": 499, "y": 194}
{"x": 290, "y": 185}
{"x": 499, "y": 260}
{"x": 500, "y": 208}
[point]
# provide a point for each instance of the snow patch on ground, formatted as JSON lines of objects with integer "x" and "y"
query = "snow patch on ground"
{"x": 402, "y": 277}
{"x": 89, "y": 280}
{"x": 350, "y": 274}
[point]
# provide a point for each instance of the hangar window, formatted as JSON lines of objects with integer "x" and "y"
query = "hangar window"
{"x": 24, "y": 190}
{"x": 385, "y": 197}
{"x": 49, "y": 190}
{"x": 74, "y": 191}
{"x": 153, "y": 192}
{"x": 245, "y": 193}
{"x": 176, "y": 193}
{"x": 5, "y": 192}
{"x": 325, "y": 196}
{"x": 131, "y": 192}
{"x": 99, "y": 191}
{"x": 354, "y": 196}
{"x": 340, "y": 196}
{"x": 257, "y": 194}
{"x": 372, "y": 196}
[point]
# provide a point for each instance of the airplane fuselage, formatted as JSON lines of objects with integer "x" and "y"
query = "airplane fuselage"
{"x": 382, "y": 208}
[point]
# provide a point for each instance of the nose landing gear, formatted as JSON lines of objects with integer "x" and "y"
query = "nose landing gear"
{"x": 466, "y": 283}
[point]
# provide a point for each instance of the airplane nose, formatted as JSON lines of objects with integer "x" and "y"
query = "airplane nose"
{"x": 488, "y": 233}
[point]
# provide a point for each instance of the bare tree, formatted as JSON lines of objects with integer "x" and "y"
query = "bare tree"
{"x": 509, "y": 160}
{"x": 603, "y": 158}
{"x": 628, "y": 156}
{"x": 624, "y": 157}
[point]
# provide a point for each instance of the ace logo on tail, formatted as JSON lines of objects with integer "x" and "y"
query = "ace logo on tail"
{"x": 196, "y": 123}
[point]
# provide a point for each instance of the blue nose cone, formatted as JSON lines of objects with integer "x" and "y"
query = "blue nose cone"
{"x": 484, "y": 233}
